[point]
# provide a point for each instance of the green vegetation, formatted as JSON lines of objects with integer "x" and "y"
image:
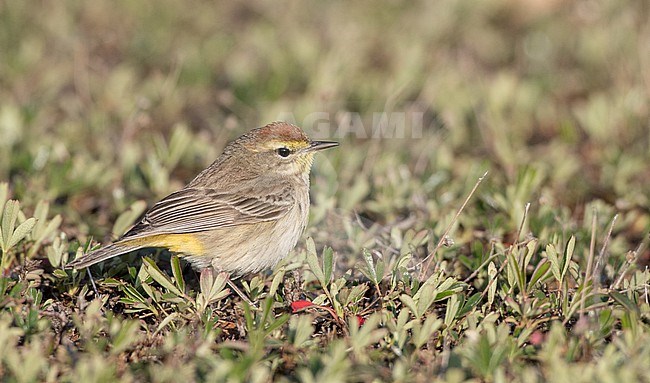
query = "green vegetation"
{"x": 106, "y": 106}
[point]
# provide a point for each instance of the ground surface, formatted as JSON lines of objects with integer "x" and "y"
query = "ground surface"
{"x": 107, "y": 106}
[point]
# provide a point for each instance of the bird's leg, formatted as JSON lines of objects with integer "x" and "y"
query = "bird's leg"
{"x": 92, "y": 282}
{"x": 234, "y": 288}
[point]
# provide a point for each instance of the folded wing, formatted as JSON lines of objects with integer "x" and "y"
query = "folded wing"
{"x": 201, "y": 209}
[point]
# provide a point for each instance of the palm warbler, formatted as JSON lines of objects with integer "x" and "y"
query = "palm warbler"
{"x": 242, "y": 214}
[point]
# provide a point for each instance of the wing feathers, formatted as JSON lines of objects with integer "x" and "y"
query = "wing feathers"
{"x": 102, "y": 254}
{"x": 201, "y": 209}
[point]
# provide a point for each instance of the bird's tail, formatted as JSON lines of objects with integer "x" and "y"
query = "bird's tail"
{"x": 102, "y": 254}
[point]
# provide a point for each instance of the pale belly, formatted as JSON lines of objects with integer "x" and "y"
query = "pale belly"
{"x": 251, "y": 248}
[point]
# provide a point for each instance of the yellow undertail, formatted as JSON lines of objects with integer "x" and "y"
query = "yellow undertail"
{"x": 187, "y": 244}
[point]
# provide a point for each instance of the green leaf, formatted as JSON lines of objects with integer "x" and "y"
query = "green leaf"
{"x": 168, "y": 319}
{"x": 40, "y": 213}
{"x": 410, "y": 303}
{"x": 568, "y": 255}
{"x": 452, "y": 309}
{"x": 370, "y": 264}
{"x": 446, "y": 288}
{"x": 177, "y": 271}
{"x": 328, "y": 263}
{"x": 126, "y": 336}
{"x": 4, "y": 194}
{"x": 380, "y": 268}
{"x": 206, "y": 280}
{"x": 60, "y": 274}
{"x": 277, "y": 279}
{"x": 9, "y": 216}
{"x": 551, "y": 255}
{"x": 427, "y": 295}
{"x": 531, "y": 246}
{"x": 515, "y": 267}
{"x": 133, "y": 294}
{"x": 312, "y": 261}
{"x": 356, "y": 293}
{"x": 301, "y": 329}
{"x": 334, "y": 298}
{"x": 160, "y": 277}
{"x": 422, "y": 334}
{"x": 151, "y": 292}
{"x": 540, "y": 273}
{"x": 624, "y": 301}
{"x": 213, "y": 287}
{"x": 469, "y": 304}
{"x": 43, "y": 230}
{"x": 362, "y": 337}
{"x": 21, "y": 232}
{"x": 277, "y": 323}
{"x": 51, "y": 227}
{"x": 4, "y": 283}
{"x": 492, "y": 273}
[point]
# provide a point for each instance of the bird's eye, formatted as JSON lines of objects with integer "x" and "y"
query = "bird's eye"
{"x": 283, "y": 152}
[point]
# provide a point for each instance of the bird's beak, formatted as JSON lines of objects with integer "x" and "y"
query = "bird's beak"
{"x": 320, "y": 145}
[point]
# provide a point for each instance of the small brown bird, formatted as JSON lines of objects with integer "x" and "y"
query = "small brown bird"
{"x": 242, "y": 214}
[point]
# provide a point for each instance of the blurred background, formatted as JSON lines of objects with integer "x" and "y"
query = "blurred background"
{"x": 104, "y": 103}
